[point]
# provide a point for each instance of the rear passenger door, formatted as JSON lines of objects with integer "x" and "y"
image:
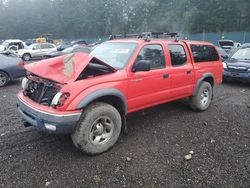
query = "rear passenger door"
{"x": 181, "y": 71}
{"x": 47, "y": 48}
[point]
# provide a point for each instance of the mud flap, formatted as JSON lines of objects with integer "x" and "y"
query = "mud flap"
{"x": 124, "y": 125}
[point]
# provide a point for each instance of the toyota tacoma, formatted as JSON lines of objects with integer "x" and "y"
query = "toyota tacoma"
{"x": 89, "y": 95}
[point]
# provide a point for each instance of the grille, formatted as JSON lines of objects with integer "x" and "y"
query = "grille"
{"x": 42, "y": 93}
{"x": 237, "y": 70}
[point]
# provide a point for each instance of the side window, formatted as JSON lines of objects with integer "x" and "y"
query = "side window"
{"x": 37, "y": 47}
{"x": 153, "y": 53}
{"x": 46, "y": 46}
{"x": 178, "y": 54}
{"x": 204, "y": 53}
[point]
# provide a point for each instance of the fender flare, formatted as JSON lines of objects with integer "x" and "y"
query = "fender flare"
{"x": 102, "y": 93}
{"x": 199, "y": 82}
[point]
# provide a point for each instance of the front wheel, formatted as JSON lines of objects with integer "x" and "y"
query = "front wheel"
{"x": 98, "y": 129}
{"x": 201, "y": 101}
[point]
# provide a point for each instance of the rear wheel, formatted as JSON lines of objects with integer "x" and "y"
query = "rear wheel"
{"x": 4, "y": 79}
{"x": 98, "y": 129}
{"x": 202, "y": 100}
{"x": 26, "y": 57}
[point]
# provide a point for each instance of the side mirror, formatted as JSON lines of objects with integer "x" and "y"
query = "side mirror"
{"x": 141, "y": 65}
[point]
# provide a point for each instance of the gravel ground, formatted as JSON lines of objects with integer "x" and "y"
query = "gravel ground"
{"x": 152, "y": 155}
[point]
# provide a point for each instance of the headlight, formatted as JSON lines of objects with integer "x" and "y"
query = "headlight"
{"x": 25, "y": 83}
{"x": 59, "y": 99}
{"x": 224, "y": 65}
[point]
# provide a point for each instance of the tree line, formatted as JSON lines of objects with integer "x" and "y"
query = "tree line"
{"x": 97, "y": 18}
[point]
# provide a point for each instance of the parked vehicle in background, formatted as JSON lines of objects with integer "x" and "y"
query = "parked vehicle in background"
{"x": 36, "y": 51}
{"x": 11, "y": 68}
{"x": 28, "y": 42}
{"x": 237, "y": 67}
{"x": 89, "y": 95}
{"x": 12, "y": 44}
{"x": 73, "y": 49}
{"x": 63, "y": 46}
{"x": 81, "y": 42}
{"x": 228, "y": 45}
{"x": 224, "y": 55}
{"x": 9, "y": 53}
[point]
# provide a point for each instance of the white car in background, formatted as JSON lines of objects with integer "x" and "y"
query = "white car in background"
{"x": 36, "y": 51}
{"x": 12, "y": 45}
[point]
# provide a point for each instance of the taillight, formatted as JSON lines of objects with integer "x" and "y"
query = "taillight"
{"x": 21, "y": 63}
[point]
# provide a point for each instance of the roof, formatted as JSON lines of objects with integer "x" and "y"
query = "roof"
{"x": 13, "y": 40}
{"x": 198, "y": 42}
{"x": 139, "y": 41}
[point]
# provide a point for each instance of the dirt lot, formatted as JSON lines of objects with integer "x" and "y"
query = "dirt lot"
{"x": 152, "y": 155}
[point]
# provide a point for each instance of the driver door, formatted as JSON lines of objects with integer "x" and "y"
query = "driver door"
{"x": 149, "y": 87}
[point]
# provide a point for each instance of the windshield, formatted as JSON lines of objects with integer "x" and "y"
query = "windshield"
{"x": 68, "y": 50}
{"x": 115, "y": 54}
{"x": 242, "y": 54}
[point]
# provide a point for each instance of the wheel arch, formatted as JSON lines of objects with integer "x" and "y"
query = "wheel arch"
{"x": 28, "y": 54}
{"x": 111, "y": 96}
{"x": 6, "y": 72}
{"x": 208, "y": 77}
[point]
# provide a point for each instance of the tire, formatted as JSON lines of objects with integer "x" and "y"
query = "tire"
{"x": 26, "y": 57}
{"x": 202, "y": 100}
{"x": 98, "y": 130}
{"x": 4, "y": 79}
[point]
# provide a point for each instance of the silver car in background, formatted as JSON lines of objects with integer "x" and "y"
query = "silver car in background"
{"x": 36, "y": 51}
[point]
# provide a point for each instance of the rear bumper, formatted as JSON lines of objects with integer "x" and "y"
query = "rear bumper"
{"x": 47, "y": 122}
{"x": 242, "y": 76}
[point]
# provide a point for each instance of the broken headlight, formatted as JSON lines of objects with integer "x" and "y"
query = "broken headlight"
{"x": 59, "y": 99}
{"x": 25, "y": 83}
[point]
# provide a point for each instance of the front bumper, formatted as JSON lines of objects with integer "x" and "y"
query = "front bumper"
{"x": 241, "y": 76}
{"x": 47, "y": 122}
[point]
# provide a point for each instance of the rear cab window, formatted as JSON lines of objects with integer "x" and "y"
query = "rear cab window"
{"x": 204, "y": 53}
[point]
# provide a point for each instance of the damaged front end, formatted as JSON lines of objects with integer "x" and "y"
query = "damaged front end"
{"x": 40, "y": 90}
{"x": 46, "y": 78}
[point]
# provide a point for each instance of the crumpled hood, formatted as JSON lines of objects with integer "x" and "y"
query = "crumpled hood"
{"x": 62, "y": 69}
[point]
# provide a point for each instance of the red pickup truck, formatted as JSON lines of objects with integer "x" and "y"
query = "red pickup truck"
{"x": 89, "y": 95}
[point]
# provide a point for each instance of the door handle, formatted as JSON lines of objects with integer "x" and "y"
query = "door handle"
{"x": 137, "y": 80}
{"x": 189, "y": 71}
{"x": 165, "y": 75}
